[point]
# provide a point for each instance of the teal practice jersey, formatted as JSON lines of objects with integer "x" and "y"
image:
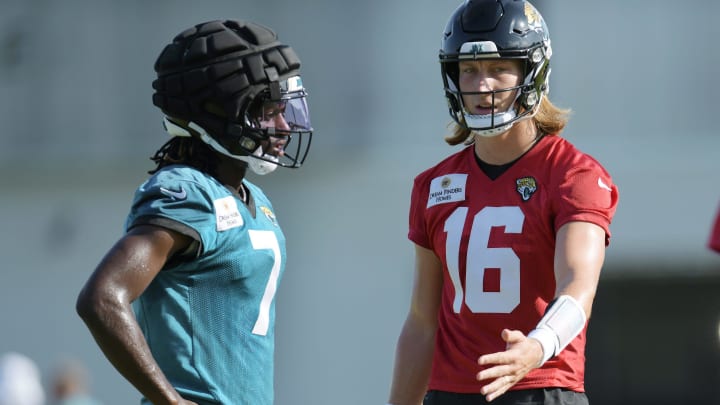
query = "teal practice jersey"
{"x": 209, "y": 318}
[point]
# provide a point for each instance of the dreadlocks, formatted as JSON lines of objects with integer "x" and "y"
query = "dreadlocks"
{"x": 184, "y": 150}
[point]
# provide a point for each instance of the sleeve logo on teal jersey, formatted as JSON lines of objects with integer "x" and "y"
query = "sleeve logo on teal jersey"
{"x": 227, "y": 215}
{"x": 175, "y": 195}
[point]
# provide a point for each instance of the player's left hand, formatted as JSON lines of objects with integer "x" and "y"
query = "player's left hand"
{"x": 522, "y": 354}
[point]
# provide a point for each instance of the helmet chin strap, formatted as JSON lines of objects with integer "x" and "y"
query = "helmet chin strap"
{"x": 255, "y": 162}
{"x": 259, "y": 166}
{"x": 505, "y": 121}
{"x": 175, "y": 129}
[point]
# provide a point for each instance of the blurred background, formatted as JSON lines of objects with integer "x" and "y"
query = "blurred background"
{"x": 78, "y": 128}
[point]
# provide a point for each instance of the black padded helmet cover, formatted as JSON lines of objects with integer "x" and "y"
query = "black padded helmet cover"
{"x": 210, "y": 73}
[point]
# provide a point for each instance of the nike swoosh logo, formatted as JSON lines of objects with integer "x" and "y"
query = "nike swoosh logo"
{"x": 602, "y": 184}
{"x": 175, "y": 195}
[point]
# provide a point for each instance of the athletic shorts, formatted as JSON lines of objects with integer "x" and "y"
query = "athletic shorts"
{"x": 540, "y": 396}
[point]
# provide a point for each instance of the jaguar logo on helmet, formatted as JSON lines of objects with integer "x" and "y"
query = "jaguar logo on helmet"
{"x": 532, "y": 15}
{"x": 535, "y": 20}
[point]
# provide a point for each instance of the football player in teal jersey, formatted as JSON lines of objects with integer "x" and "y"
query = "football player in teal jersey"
{"x": 183, "y": 304}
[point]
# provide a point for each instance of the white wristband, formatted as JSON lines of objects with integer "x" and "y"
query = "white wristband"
{"x": 562, "y": 322}
{"x": 548, "y": 341}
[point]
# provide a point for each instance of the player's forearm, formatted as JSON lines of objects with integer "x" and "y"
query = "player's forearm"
{"x": 136, "y": 364}
{"x": 413, "y": 360}
{"x": 118, "y": 335}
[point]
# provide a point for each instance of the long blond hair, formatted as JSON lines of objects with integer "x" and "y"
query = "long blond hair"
{"x": 549, "y": 120}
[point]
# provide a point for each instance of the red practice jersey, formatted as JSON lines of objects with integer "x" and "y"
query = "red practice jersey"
{"x": 714, "y": 242}
{"x": 496, "y": 240}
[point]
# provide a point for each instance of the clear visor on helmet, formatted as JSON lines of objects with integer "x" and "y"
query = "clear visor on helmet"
{"x": 286, "y": 124}
{"x": 288, "y": 114}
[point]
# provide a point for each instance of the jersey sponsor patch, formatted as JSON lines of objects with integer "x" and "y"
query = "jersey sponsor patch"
{"x": 227, "y": 215}
{"x": 447, "y": 188}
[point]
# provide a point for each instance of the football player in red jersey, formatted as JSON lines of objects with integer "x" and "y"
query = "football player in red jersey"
{"x": 714, "y": 242}
{"x": 510, "y": 232}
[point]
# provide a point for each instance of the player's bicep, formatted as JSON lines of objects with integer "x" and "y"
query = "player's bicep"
{"x": 135, "y": 260}
{"x": 579, "y": 257}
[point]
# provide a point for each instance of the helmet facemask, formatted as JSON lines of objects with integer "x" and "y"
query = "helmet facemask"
{"x": 274, "y": 119}
{"x": 278, "y": 118}
{"x": 528, "y": 94}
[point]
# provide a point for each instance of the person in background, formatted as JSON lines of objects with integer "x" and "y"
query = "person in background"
{"x": 70, "y": 385}
{"x": 509, "y": 232}
{"x": 714, "y": 239}
{"x": 20, "y": 381}
{"x": 183, "y": 304}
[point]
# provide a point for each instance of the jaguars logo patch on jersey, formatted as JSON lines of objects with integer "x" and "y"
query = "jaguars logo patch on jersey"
{"x": 526, "y": 186}
{"x": 269, "y": 214}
